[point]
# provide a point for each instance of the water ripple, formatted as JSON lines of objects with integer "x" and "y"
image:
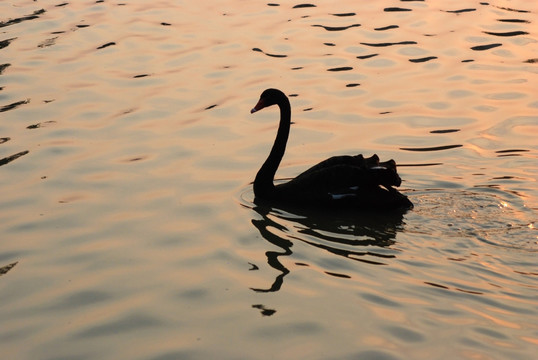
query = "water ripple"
{"x": 13, "y": 157}
{"x": 514, "y": 21}
{"x": 512, "y": 9}
{"x": 395, "y": 9}
{"x": 300, "y": 6}
{"x": 32, "y": 16}
{"x": 506, "y": 34}
{"x": 424, "y": 59}
{"x": 344, "y": 14}
{"x": 367, "y": 56}
{"x": 389, "y": 43}
{"x": 460, "y": 11}
{"x": 343, "y": 68}
{"x": 14, "y": 105}
{"x": 485, "y": 47}
{"x": 486, "y": 214}
{"x": 389, "y": 27}
{"x": 5, "y": 43}
{"x": 3, "y": 67}
{"x": 268, "y": 54}
{"x": 433, "y": 148}
{"x": 337, "y": 28}
{"x": 106, "y": 45}
{"x": 6, "y": 268}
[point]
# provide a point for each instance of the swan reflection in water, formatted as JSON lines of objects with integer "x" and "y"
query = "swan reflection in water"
{"x": 352, "y": 235}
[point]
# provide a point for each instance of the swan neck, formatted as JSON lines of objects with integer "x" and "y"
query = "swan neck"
{"x": 264, "y": 182}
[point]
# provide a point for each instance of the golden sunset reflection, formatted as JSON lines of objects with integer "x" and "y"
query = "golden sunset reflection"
{"x": 129, "y": 227}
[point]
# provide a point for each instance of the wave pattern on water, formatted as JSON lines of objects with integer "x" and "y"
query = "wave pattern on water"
{"x": 125, "y": 132}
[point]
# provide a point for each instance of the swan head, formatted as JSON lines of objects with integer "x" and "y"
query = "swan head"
{"x": 267, "y": 98}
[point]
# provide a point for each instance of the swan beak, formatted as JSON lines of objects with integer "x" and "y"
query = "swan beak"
{"x": 260, "y": 105}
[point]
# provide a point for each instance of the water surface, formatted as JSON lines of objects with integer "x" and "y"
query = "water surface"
{"x": 128, "y": 228}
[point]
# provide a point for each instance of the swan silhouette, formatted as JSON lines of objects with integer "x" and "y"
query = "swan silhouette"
{"x": 341, "y": 181}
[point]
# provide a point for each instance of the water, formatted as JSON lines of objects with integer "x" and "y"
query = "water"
{"x": 127, "y": 149}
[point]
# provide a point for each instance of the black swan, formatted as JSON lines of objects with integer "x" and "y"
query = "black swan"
{"x": 340, "y": 181}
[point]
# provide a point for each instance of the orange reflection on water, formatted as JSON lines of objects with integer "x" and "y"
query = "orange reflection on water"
{"x": 495, "y": 320}
{"x": 126, "y": 138}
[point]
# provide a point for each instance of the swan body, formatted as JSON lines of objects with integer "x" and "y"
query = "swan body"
{"x": 340, "y": 181}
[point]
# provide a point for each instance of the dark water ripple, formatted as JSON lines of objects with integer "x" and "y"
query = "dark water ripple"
{"x": 514, "y": 21}
{"x": 344, "y": 14}
{"x": 4, "y": 269}
{"x": 5, "y": 43}
{"x": 32, "y": 16}
{"x": 510, "y": 152}
{"x": 13, "y": 157}
{"x": 485, "y": 47}
{"x": 444, "y": 131}
{"x": 3, "y": 67}
{"x": 14, "y": 105}
{"x": 506, "y": 34}
{"x": 460, "y": 11}
{"x": 448, "y": 288}
{"x": 337, "y": 28}
{"x": 512, "y": 9}
{"x": 41, "y": 124}
{"x": 47, "y": 42}
{"x": 343, "y": 68}
{"x": 424, "y": 164}
{"x": 433, "y": 148}
{"x": 387, "y": 28}
{"x": 268, "y": 54}
{"x": 112, "y": 43}
{"x": 424, "y": 59}
{"x": 366, "y": 56}
{"x": 390, "y": 43}
{"x": 395, "y": 9}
